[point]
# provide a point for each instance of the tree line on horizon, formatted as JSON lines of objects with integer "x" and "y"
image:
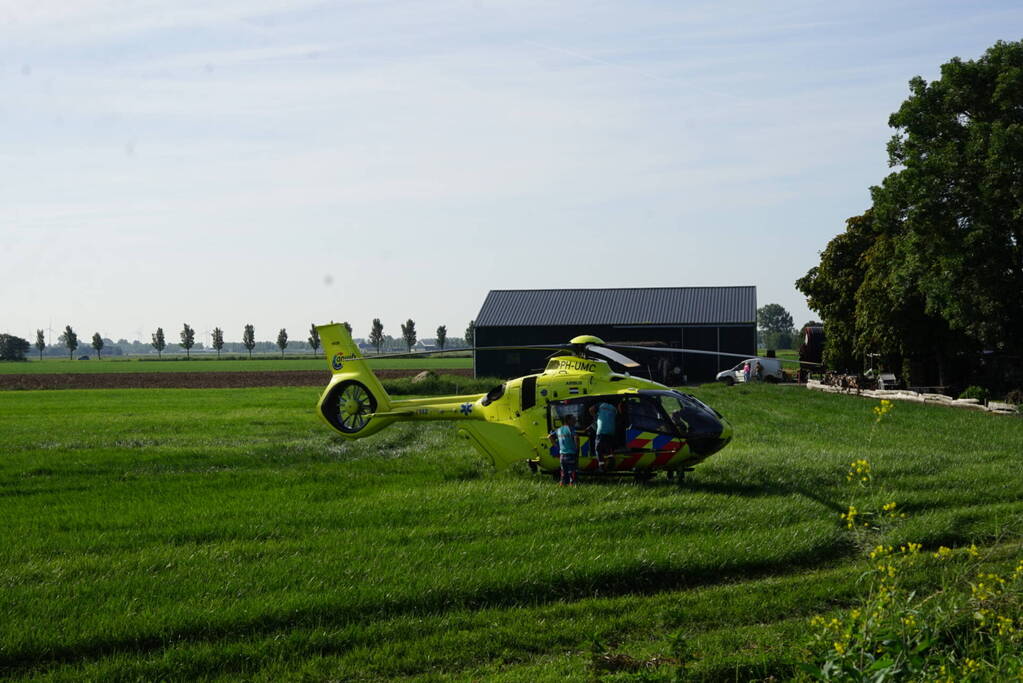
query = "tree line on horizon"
{"x": 16, "y": 348}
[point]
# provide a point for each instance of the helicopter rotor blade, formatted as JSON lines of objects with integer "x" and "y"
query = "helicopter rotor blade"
{"x": 665, "y": 349}
{"x": 406, "y": 354}
{"x": 611, "y": 355}
{"x": 526, "y": 347}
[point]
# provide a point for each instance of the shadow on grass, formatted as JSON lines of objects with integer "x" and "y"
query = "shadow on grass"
{"x": 745, "y": 489}
{"x": 637, "y": 580}
{"x": 760, "y": 489}
{"x": 16, "y": 492}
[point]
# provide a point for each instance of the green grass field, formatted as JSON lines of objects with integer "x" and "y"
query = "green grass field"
{"x": 179, "y": 535}
{"x": 784, "y": 354}
{"x": 53, "y": 365}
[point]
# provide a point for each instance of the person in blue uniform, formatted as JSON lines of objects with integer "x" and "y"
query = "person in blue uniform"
{"x": 568, "y": 449}
{"x": 604, "y": 415}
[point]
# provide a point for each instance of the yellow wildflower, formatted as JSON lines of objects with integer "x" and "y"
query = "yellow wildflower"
{"x": 943, "y": 553}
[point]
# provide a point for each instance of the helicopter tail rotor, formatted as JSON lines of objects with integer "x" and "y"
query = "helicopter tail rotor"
{"x": 349, "y": 406}
{"x": 354, "y": 395}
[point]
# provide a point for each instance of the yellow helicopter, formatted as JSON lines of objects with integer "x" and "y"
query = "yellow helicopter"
{"x": 657, "y": 428}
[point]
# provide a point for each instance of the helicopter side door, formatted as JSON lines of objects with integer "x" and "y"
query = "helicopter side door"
{"x": 650, "y": 440}
{"x": 556, "y": 413}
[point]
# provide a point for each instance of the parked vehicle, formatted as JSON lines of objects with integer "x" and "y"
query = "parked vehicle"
{"x": 771, "y": 366}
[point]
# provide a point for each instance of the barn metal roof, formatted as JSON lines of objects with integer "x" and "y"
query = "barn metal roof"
{"x": 633, "y": 306}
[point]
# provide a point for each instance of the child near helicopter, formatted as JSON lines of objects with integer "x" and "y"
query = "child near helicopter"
{"x": 568, "y": 447}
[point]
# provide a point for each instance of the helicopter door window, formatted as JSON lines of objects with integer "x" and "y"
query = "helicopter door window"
{"x": 645, "y": 415}
{"x": 676, "y": 411}
{"x": 558, "y": 411}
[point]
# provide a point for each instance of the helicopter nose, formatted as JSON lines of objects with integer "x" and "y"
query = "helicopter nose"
{"x": 710, "y": 441}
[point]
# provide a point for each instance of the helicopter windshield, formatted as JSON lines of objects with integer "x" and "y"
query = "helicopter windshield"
{"x": 645, "y": 415}
{"x": 675, "y": 410}
{"x": 690, "y": 415}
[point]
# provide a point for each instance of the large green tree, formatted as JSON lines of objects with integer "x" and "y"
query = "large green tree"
{"x": 470, "y": 334}
{"x": 218, "y": 340}
{"x": 957, "y": 197}
{"x": 830, "y": 288}
{"x": 97, "y": 343}
{"x": 935, "y": 267}
{"x": 442, "y": 336}
{"x": 314, "y": 338}
{"x": 376, "y": 335}
{"x": 40, "y": 343}
{"x": 249, "y": 339}
{"x": 408, "y": 333}
{"x": 282, "y": 340}
{"x": 775, "y": 324}
{"x": 12, "y": 347}
{"x": 70, "y": 340}
{"x": 187, "y": 340}
{"x": 774, "y": 318}
{"x": 159, "y": 342}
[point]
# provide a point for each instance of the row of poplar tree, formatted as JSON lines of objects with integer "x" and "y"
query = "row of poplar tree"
{"x": 69, "y": 338}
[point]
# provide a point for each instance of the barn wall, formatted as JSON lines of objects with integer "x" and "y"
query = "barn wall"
{"x": 667, "y": 368}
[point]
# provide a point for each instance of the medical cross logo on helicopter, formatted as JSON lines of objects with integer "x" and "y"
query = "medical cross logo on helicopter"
{"x": 656, "y": 428}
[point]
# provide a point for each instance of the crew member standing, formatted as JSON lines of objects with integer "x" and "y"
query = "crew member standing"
{"x": 604, "y": 414}
{"x": 568, "y": 448}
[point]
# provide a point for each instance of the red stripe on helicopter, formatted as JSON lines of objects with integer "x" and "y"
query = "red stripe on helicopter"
{"x": 629, "y": 461}
{"x": 662, "y": 459}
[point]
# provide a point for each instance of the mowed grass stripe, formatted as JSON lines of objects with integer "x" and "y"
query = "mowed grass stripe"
{"x": 153, "y": 533}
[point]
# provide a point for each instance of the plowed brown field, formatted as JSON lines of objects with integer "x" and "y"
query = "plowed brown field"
{"x": 190, "y": 380}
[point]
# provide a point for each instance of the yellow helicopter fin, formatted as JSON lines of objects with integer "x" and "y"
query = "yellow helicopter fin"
{"x": 338, "y": 346}
{"x": 354, "y": 394}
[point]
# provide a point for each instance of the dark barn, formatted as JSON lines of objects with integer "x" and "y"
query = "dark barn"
{"x": 719, "y": 319}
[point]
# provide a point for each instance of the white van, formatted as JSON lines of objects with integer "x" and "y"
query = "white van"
{"x": 771, "y": 366}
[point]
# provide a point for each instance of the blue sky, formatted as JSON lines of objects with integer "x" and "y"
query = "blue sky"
{"x": 280, "y": 163}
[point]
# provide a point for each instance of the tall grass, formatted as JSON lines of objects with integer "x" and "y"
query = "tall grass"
{"x": 177, "y": 534}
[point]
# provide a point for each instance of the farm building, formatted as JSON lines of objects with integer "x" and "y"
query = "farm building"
{"x": 718, "y": 319}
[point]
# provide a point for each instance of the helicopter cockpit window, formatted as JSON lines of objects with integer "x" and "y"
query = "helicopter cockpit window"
{"x": 676, "y": 412}
{"x": 690, "y": 415}
{"x": 645, "y": 415}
